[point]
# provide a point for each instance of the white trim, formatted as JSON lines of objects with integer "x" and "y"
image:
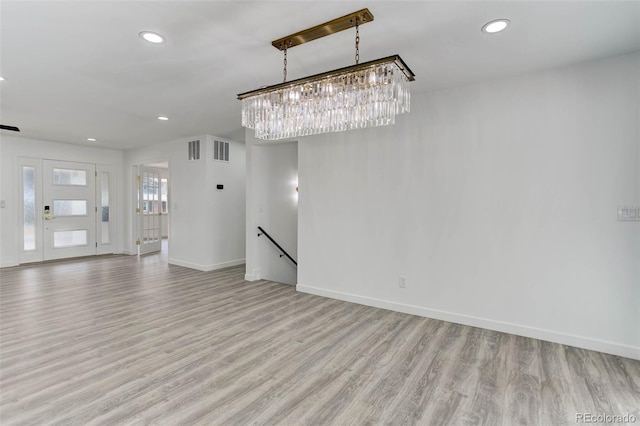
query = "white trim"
{"x": 505, "y": 327}
{"x": 206, "y": 268}
{"x": 254, "y": 276}
{"x": 8, "y": 264}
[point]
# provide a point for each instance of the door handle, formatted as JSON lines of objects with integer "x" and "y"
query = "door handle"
{"x": 49, "y": 217}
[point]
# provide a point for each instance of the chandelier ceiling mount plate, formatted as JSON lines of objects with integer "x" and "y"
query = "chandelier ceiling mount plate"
{"x": 360, "y": 17}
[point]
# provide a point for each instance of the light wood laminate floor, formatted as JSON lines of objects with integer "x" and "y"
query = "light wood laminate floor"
{"x": 124, "y": 340}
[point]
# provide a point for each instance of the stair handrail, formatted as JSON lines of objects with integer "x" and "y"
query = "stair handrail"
{"x": 283, "y": 251}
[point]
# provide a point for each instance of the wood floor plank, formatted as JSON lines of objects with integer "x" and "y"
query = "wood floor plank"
{"x": 125, "y": 340}
{"x": 558, "y": 402}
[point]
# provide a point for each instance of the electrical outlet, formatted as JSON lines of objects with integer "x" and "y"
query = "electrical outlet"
{"x": 402, "y": 282}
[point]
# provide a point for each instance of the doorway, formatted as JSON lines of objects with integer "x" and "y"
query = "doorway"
{"x": 273, "y": 205}
{"x": 152, "y": 211}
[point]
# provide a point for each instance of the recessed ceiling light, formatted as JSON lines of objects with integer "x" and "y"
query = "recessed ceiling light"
{"x": 91, "y": 139}
{"x": 163, "y": 118}
{"x": 152, "y": 37}
{"x": 2, "y": 78}
{"x": 496, "y": 26}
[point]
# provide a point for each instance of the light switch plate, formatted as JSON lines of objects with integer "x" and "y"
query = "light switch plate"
{"x": 402, "y": 281}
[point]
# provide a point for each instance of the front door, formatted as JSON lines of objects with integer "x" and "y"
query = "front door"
{"x": 68, "y": 209}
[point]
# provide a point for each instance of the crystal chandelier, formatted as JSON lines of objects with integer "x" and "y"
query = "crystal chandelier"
{"x": 363, "y": 95}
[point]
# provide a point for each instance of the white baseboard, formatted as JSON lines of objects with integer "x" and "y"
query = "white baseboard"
{"x": 8, "y": 264}
{"x": 206, "y": 268}
{"x": 613, "y": 348}
{"x": 253, "y": 276}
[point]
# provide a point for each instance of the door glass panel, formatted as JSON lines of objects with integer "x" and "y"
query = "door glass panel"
{"x": 70, "y": 207}
{"x": 163, "y": 196}
{"x": 69, "y": 177}
{"x": 150, "y": 206}
{"x": 29, "y": 207}
{"x": 104, "y": 203}
{"x": 70, "y": 238}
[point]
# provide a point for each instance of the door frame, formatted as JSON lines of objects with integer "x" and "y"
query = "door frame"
{"x": 37, "y": 255}
{"x": 136, "y": 232}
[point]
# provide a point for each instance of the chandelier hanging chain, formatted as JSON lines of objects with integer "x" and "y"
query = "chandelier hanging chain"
{"x": 357, "y": 41}
{"x": 284, "y": 72}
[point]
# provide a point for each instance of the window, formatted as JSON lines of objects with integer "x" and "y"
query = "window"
{"x": 69, "y": 177}
{"x": 70, "y": 238}
{"x": 69, "y": 207}
{"x": 29, "y": 208}
{"x": 104, "y": 208}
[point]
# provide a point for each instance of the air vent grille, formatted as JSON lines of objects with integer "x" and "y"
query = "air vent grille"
{"x": 194, "y": 150}
{"x": 220, "y": 150}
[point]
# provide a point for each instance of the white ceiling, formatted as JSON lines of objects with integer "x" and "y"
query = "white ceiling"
{"x": 77, "y": 69}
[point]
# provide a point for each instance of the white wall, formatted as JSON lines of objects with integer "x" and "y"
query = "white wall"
{"x": 206, "y": 229}
{"x": 12, "y": 147}
{"x": 496, "y": 201}
{"x": 272, "y": 203}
